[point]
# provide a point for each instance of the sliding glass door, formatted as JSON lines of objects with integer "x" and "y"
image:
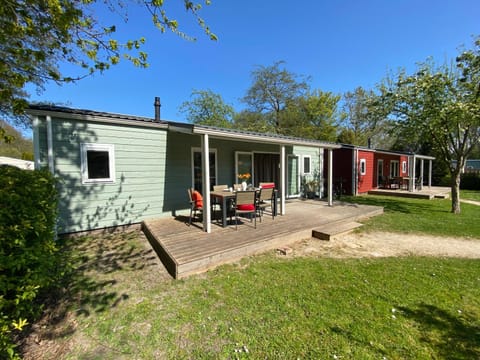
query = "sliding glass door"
{"x": 293, "y": 176}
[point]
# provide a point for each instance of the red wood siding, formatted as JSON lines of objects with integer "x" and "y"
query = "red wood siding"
{"x": 342, "y": 168}
{"x": 366, "y": 182}
{"x": 387, "y": 158}
{"x": 402, "y": 159}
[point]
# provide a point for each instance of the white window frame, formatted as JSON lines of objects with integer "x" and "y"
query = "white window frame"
{"x": 210, "y": 151}
{"x": 293, "y": 176}
{"x": 110, "y": 148}
{"x": 309, "y": 157}
{"x": 404, "y": 166}
{"x": 247, "y": 153}
{"x": 363, "y": 166}
{"x": 394, "y": 164}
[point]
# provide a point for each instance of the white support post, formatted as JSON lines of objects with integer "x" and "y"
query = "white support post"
{"x": 429, "y": 174}
{"x": 283, "y": 186}
{"x": 330, "y": 177}
{"x": 413, "y": 181}
{"x": 206, "y": 184}
{"x": 36, "y": 142}
{"x": 410, "y": 175}
{"x": 355, "y": 172}
{"x": 51, "y": 165}
{"x": 421, "y": 174}
{"x": 321, "y": 155}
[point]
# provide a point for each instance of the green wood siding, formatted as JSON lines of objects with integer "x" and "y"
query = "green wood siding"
{"x": 136, "y": 194}
{"x": 153, "y": 169}
{"x": 315, "y": 169}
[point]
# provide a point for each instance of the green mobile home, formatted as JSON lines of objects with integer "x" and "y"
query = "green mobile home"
{"x": 117, "y": 170}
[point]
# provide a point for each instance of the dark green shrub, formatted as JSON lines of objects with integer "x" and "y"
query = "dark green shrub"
{"x": 470, "y": 181}
{"x": 28, "y": 209}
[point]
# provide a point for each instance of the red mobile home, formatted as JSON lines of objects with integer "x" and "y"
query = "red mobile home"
{"x": 357, "y": 170}
{"x": 390, "y": 166}
{"x": 353, "y": 169}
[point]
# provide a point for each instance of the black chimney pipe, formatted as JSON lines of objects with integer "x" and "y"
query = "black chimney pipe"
{"x": 157, "y": 108}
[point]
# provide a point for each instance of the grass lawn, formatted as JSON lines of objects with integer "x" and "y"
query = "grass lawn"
{"x": 119, "y": 302}
{"x": 470, "y": 195}
{"x": 421, "y": 216}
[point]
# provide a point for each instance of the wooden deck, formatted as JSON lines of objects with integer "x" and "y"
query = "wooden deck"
{"x": 186, "y": 250}
{"x": 434, "y": 192}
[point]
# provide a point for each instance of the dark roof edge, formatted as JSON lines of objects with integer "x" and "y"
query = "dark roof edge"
{"x": 91, "y": 115}
{"x": 391, "y": 152}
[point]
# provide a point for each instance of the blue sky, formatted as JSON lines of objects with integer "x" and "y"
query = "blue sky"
{"x": 339, "y": 44}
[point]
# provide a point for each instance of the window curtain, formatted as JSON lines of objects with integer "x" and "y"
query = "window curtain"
{"x": 266, "y": 168}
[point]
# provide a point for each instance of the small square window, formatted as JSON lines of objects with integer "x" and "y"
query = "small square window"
{"x": 306, "y": 165}
{"x": 97, "y": 163}
{"x": 363, "y": 166}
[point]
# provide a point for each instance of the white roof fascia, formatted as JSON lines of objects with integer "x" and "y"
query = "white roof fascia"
{"x": 262, "y": 138}
{"x": 424, "y": 157}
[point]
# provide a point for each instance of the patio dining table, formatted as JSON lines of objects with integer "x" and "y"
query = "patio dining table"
{"x": 225, "y": 195}
{"x": 404, "y": 182}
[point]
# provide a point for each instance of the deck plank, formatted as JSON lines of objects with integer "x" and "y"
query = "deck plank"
{"x": 429, "y": 193}
{"x": 187, "y": 250}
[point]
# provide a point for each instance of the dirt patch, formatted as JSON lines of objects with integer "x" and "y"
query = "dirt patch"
{"x": 384, "y": 244}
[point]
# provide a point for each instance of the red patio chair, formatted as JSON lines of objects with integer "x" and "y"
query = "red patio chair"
{"x": 196, "y": 203}
{"x": 245, "y": 203}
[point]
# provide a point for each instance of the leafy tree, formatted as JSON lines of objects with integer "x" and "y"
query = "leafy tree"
{"x": 253, "y": 121}
{"x": 475, "y": 154}
{"x": 441, "y": 104}
{"x": 36, "y": 36}
{"x": 208, "y": 108}
{"x": 346, "y": 136}
{"x": 312, "y": 116}
{"x": 362, "y": 119}
{"x": 17, "y": 146}
{"x": 272, "y": 88}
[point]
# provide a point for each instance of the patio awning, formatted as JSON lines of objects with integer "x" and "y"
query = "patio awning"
{"x": 241, "y": 135}
{"x": 207, "y": 132}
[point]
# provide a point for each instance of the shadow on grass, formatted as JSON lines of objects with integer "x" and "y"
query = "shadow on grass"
{"x": 450, "y": 336}
{"x": 93, "y": 259}
{"x": 89, "y": 272}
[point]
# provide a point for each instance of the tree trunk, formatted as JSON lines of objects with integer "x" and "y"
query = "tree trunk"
{"x": 456, "y": 192}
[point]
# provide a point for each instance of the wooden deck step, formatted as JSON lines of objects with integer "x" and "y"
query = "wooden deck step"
{"x": 329, "y": 231}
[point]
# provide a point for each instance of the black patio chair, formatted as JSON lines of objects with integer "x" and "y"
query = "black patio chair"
{"x": 265, "y": 200}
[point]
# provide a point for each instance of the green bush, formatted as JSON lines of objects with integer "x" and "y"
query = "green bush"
{"x": 470, "y": 181}
{"x": 28, "y": 209}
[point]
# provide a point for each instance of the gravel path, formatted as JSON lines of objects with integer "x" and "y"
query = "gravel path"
{"x": 383, "y": 244}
